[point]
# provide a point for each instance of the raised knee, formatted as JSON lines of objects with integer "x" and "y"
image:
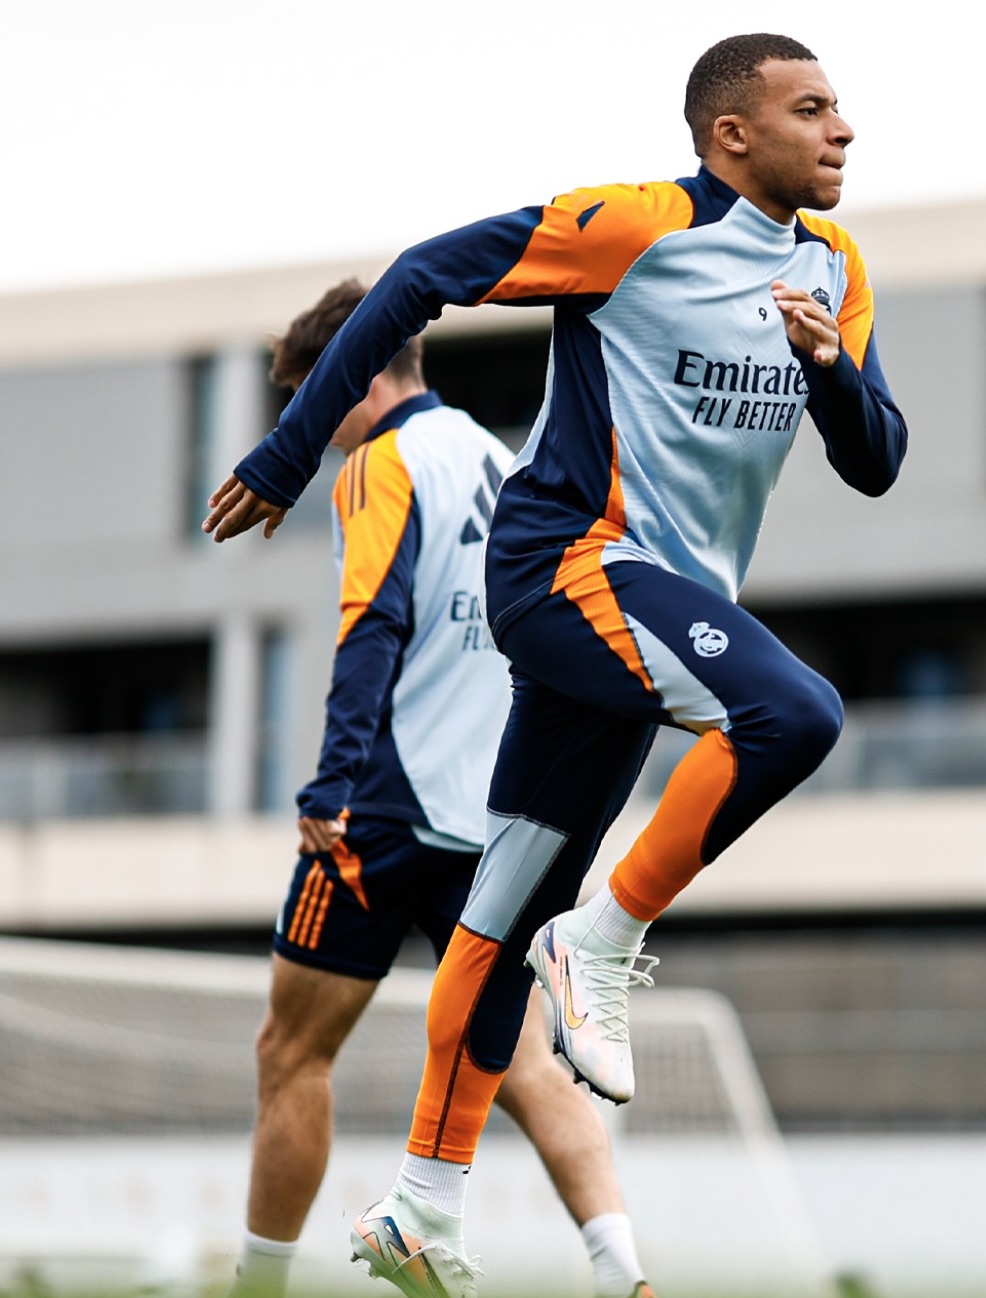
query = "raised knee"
{"x": 809, "y": 718}
{"x": 822, "y": 715}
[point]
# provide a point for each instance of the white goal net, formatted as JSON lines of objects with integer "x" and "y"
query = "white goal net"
{"x": 102, "y": 1045}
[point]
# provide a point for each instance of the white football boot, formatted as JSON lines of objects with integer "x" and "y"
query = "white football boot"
{"x": 588, "y": 979}
{"x": 414, "y": 1246}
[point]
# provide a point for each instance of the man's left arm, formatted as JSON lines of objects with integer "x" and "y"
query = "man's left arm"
{"x": 864, "y": 433}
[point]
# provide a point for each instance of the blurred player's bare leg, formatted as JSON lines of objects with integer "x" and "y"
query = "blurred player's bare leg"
{"x": 311, "y": 1013}
{"x": 309, "y": 1016}
{"x": 566, "y": 1129}
{"x": 561, "y": 1122}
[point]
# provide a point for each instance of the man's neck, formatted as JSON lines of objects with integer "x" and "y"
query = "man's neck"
{"x": 386, "y": 393}
{"x": 736, "y": 179}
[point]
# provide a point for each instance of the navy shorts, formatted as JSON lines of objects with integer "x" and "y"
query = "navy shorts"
{"x": 349, "y": 911}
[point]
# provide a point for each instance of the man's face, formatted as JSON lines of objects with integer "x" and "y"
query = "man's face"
{"x": 796, "y": 141}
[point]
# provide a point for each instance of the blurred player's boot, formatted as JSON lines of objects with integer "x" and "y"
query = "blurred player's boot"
{"x": 588, "y": 979}
{"x": 414, "y": 1246}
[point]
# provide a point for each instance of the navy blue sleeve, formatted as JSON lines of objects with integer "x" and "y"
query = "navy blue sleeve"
{"x": 366, "y": 666}
{"x": 864, "y": 433}
{"x": 456, "y": 269}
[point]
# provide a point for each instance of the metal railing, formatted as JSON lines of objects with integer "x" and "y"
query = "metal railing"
{"x": 107, "y": 775}
{"x": 928, "y": 744}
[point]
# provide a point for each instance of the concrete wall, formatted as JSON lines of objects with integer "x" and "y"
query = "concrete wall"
{"x": 922, "y": 853}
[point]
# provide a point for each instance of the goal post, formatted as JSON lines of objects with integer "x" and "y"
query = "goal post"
{"x": 116, "y": 1053}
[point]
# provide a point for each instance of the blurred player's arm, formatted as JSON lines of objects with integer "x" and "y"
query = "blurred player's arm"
{"x": 378, "y": 536}
{"x": 316, "y": 835}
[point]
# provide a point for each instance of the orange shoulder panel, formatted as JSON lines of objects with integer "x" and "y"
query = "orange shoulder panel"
{"x": 373, "y": 495}
{"x": 856, "y": 313}
{"x": 587, "y": 240}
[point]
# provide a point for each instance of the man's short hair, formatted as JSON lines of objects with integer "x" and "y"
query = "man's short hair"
{"x": 310, "y": 333}
{"x": 727, "y": 79}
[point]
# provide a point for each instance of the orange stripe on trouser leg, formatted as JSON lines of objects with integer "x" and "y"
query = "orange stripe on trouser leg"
{"x": 668, "y": 854}
{"x": 583, "y": 579}
{"x": 455, "y": 1096}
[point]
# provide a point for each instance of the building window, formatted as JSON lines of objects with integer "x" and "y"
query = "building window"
{"x": 498, "y": 379}
{"x": 103, "y": 730}
{"x": 275, "y": 791}
{"x": 203, "y": 426}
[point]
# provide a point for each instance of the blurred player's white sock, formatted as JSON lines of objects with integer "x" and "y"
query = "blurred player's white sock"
{"x": 440, "y": 1183}
{"x": 263, "y": 1267}
{"x": 611, "y": 921}
{"x": 616, "y": 1268}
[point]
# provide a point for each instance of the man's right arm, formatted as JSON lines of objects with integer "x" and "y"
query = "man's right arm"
{"x": 456, "y": 268}
{"x": 574, "y": 249}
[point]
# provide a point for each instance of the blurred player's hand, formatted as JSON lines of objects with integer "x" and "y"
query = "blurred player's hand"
{"x": 319, "y": 835}
{"x": 235, "y": 509}
{"x": 808, "y": 323}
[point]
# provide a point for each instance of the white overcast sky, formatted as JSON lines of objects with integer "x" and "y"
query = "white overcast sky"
{"x": 142, "y": 138}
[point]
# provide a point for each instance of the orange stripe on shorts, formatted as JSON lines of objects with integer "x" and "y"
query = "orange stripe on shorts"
{"x": 350, "y": 870}
{"x": 311, "y": 879}
{"x": 316, "y": 932}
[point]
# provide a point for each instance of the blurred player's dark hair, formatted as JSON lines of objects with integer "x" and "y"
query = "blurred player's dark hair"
{"x": 310, "y": 333}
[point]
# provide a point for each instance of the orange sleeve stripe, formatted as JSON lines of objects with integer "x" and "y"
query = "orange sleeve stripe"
{"x": 856, "y": 312}
{"x": 587, "y": 240}
{"x": 374, "y": 497}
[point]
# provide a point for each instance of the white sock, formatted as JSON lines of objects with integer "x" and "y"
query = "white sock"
{"x": 263, "y": 1267}
{"x": 611, "y": 921}
{"x": 440, "y": 1183}
{"x": 616, "y": 1269}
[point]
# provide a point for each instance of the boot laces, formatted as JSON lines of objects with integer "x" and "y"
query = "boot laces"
{"x": 608, "y": 979}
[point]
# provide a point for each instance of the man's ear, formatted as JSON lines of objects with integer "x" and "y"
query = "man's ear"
{"x": 729, "y": 134}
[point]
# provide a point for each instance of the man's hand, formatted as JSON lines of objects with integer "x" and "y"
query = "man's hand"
{"x": 809, "y": 325}
{"x": 319, "y": 835}
{"x": 235, "y": 509}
